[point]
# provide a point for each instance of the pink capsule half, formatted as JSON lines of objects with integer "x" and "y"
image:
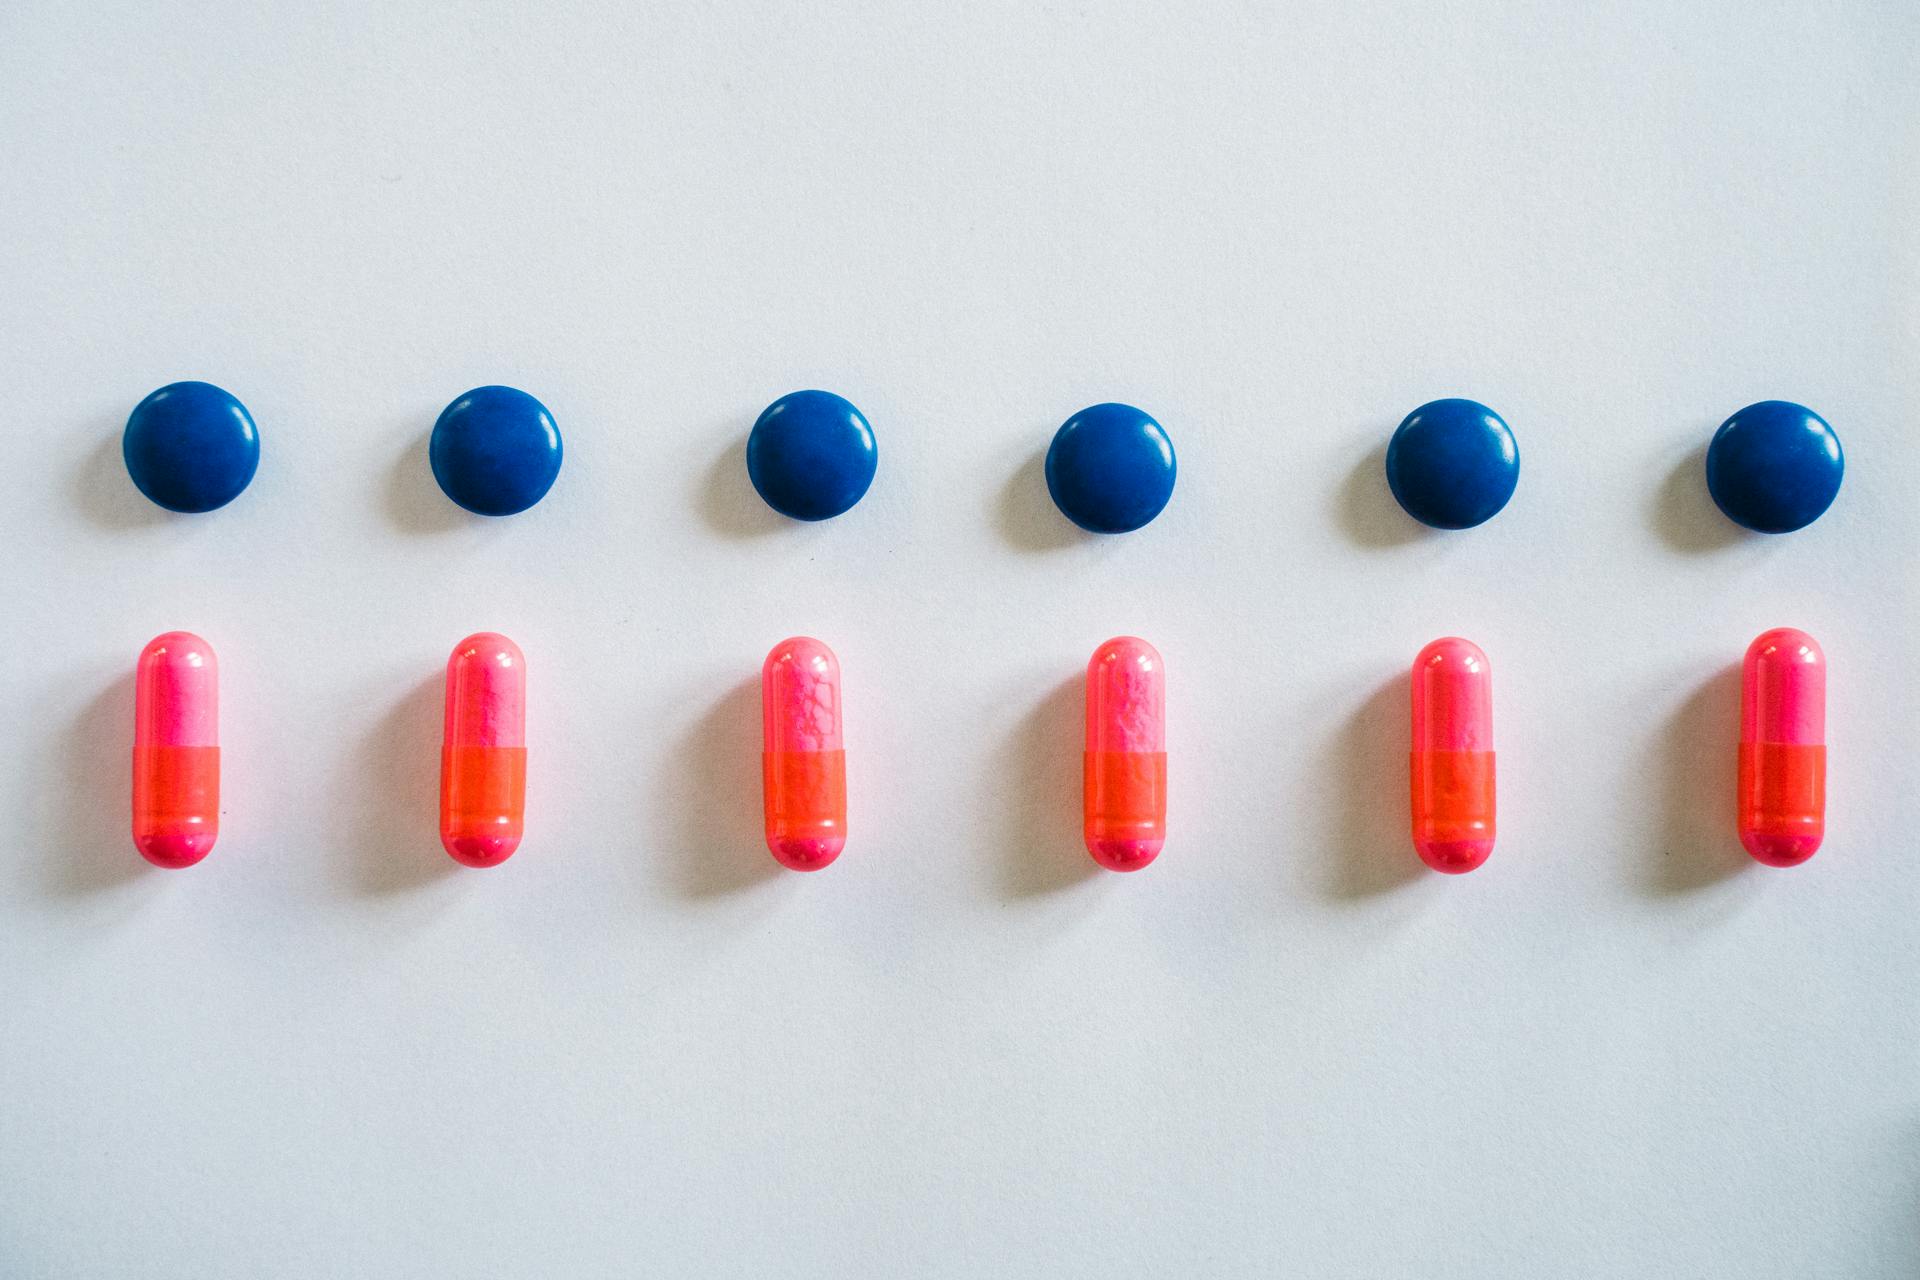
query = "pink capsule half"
{"x": 1452, "y": 764}
{"x": 483, "y": 754}
{"x": 1782, "y": 798}
{"x": 176, "y": 750}
{"x": 1124, "y": 784}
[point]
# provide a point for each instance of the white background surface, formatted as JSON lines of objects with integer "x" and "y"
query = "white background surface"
{"x": 640, "y": 1048}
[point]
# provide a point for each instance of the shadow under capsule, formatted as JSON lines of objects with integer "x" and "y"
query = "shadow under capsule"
{"x": 1696, "y": 843}
{"x": 391, "y": 797}
{"x": 89, "y": 832}
{"x": 1372, "y": 847}
{"x": 1034, "y": 789}
{"x": 710, "y": 797}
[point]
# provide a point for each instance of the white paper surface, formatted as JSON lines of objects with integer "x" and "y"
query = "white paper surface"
{"x": 1619, "y": 1049}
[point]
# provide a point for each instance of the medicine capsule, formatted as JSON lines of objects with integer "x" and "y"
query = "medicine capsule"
{"x": 176, "y": 750}
{"x": 1452, "y": 763}
{"x": 483, "y": 753}
{"x": 1124, "y": 790}
{"x": 803, "y": 759}
{"x": 1783, "y": 753}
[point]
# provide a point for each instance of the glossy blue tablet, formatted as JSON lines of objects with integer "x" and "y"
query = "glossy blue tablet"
{"x": 1775, "y": 467}
{"x": 1453, "y": 464}
{"x": 495, "y": 451}
{"x": 1111, "y": 468}
{"x": 811, "y": 455}
{"x": 191, "y": 447}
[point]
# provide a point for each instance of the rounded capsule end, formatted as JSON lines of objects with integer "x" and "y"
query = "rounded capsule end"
{"x": 174, "y": 850}
{"x": 178, "y": 646}
{"x": 1779, "y": 849}
{"x": 806, "y": 853}
{"x": 1791, "y": 643}
{"x": 1116, "y": 853}
{"x": 1453, "y": 857}
{"x": 1452, "y": 650}
{"x": 480, "y": 850}
{"x": 487, "y": 649}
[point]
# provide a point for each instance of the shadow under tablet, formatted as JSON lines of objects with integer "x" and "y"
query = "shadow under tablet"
{"x": 1684, "y": 513}
{"x": 1368, "y": 512}
{"x": 105, "y": 493}
{"x": 1026, "y": 515}
{"x": 415, "y": 502}
{"x": 729, "y": 503}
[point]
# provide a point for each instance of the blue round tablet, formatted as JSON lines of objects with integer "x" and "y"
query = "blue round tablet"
{"x": 495, "y": 451}
{"x": 1774, "y": 466}
{"x": 1453, "y": 464}
{"x": 191, "y": 447}
{"x": 811, "y": 455}
{"x": 1110, "y": 468}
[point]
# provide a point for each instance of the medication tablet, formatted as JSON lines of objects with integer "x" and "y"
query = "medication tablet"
{"x": 1774, "y": 467}
{"x": 1110, "y": 468}
{"x": 191, "y": 447}
{"x": 495, "y": 451}
{"x": 1453, "y": 464}
{"x": 811, "y": 455}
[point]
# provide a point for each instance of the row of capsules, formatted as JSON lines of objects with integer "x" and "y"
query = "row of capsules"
{"x": 483, "y": 762}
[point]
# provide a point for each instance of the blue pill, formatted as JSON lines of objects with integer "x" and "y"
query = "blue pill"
{"x": 1110, "y": 468}
{"x": 191, "y": 447}
{"x": 1774, "y": 466}
{"x": 495, "y": 451}
{"x": 1453, "y": 464}
{"x": 811, "y": 455}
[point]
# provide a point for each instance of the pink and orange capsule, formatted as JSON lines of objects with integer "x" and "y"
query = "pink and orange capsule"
{"x": 176, "y": 750}
{"x": 1783, "y": 752}
{"x": 1124, "y": 786}
{"x": 803, "y": 759}
{"x": 1452, "y": 764}
{"x": 483, "y": 753}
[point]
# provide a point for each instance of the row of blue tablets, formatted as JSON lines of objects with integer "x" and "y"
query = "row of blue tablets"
{"x": 1773, "y": 467}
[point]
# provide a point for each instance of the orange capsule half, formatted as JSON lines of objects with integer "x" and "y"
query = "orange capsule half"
{"x": 483, "y": 753}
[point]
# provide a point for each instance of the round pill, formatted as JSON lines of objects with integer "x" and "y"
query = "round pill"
{"x": 1774, "y": 467}
{"x": 191, "y": 447}
{"x": 1453, "y": 464}
{"x": 811, "y": 455}
{"x": 1110, "y": 468}
{"x": 495, "y": 451}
